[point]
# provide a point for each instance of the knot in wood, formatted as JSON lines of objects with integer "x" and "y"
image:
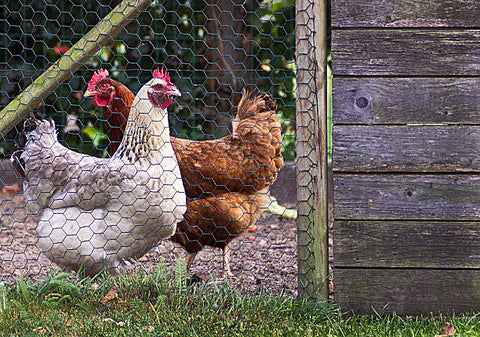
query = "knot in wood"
{"x": 361, "y": 102}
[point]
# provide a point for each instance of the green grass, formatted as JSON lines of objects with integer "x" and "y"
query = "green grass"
{"x": 161, "y": 304}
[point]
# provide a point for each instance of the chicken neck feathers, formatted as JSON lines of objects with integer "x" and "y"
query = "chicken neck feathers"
{"x": 115, "y": 116}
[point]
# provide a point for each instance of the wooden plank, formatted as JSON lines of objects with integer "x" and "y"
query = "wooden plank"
{"x": 405, "y": 13}
{"x": 407, "y": 291}
{"x": 400, "y": 196}
{"x": 311, "y": 131}
{"x": 405, "y": 100}
{"x": 419, "y": 52}
{"x": 406, "y": 244}
{"x": 413, "y": 148}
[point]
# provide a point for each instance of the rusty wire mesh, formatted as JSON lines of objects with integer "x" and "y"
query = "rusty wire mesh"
{"x": 212, "y": 50}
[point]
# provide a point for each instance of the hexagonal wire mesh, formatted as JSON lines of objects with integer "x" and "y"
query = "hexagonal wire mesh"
{"x": 212, "y": 51}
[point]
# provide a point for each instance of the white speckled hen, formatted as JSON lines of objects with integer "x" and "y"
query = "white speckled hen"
{"x": 94, "y": 212}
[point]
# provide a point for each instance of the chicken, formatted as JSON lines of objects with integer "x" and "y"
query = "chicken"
{"x": 246, "y": 161}
{"x": 94, "y": 212}
{"x": 226, "y": 180}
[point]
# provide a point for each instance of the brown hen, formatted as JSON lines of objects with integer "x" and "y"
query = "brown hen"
{"x": 226, "y": 180}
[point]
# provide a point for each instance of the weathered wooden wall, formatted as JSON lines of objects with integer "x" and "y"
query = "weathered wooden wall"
{"x": 406, "y": 155}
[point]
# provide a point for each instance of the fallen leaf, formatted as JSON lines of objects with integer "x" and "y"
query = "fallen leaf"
{"x": 252, "y": 228}
{"x": 112, "y": 294}
{"x": 275, "y": 208}
{"x": 53, "y": 295}
{"x": 447, "y": 330}
{"x": 113, "y": 321}
{"x": 8, "y": 191}
{"x": 40, "y": 329}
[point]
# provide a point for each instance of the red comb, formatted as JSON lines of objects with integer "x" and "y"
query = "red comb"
{"x": 162, "y": 74}
{"x": 98, "y": 75}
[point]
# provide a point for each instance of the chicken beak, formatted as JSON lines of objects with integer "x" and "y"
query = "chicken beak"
{"x": 174, "y": 93}
{"x": 89, "y": 93}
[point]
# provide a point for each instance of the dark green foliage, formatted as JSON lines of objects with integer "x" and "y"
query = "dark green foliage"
{"x": 191, "y": 39}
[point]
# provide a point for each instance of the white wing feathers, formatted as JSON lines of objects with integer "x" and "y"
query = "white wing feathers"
{"x": 59, "y": 177}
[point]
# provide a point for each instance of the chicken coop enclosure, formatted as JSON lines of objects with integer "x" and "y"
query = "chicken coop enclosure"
{"x": 377, "y": 203}
{"x": 51, "y": 54}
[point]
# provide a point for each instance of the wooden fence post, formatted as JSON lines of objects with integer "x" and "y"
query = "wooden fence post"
{"x": 312, "y": 223}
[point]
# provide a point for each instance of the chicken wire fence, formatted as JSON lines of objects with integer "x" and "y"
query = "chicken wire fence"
{"x": 212, "y": 51}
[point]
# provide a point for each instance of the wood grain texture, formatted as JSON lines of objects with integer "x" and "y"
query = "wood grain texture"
{"x": 311, "y": 146}
{"x": 405, "y": 100}
{"x": 419, "y": 52}
{"x": 406, "y": 244}
{"x": 405, "y": 155}
{"x": 407, "y": 291}
{"x": 401, "y": 196}
{"x": 405, "y": 13}
{"x": 412, "y": 148}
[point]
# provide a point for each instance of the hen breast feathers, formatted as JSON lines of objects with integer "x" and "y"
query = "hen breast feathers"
{"x": 95, "y": 212}
{"x": 227, "y": 179}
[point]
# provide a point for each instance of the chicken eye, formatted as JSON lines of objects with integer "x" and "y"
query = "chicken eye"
{"x": 158, "y": 87}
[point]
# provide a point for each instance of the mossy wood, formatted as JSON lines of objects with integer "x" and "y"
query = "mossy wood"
{"x": 63, "y": 69}
{"x": 312, "y": 222}
{"x": 406, "y": 155}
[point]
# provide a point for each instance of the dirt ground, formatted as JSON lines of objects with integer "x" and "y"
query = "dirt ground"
{"x": 262, "y": 259}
